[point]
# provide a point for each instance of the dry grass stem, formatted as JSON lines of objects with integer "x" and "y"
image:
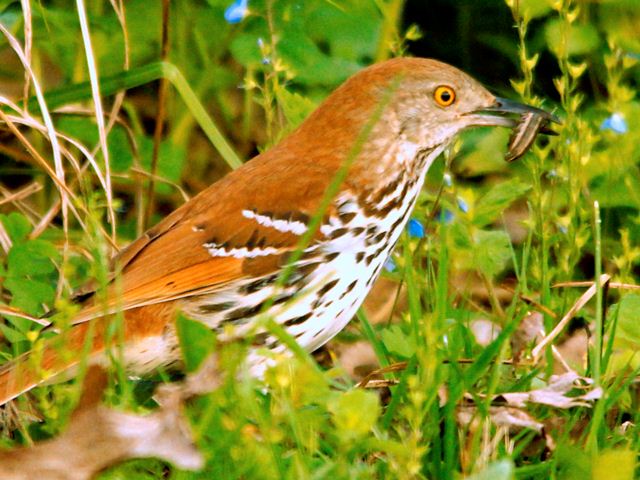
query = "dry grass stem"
{"x": 97, "y": 103}
{"x": 581, "y": 302}
{"x": 21, "y": 194}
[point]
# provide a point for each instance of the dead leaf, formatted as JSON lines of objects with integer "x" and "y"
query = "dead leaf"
{"x": 98, "y": 437}
{"x": 574, "y": 350}
{"x": 559, "y": 393}
{"x": 387, "y": 299}
{"x": 358, "y": 359}
{"x": 530, "y": 329}
{"x": 484, "y": 331}
{"x": 510, "y": 417}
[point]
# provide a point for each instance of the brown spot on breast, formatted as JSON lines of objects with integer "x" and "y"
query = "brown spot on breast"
{"x": 258, "y": 284}
{"x": 307, "y": 269}
{"x": 299, "y": 217}
{"x": 348, "y": 289}
{"x": 331, "y": 256}
{"x": 397, "y": 223}
{"x": 260, "y": 339}
{"x": 243, "y": 313}
{"x": 346, "y": 217}
{"x": 327, "y": 287}
{"x": 298, "y": 320}
{"x": 338, "y": 232}
{"x": 388, "y": 189}
{"x": 215, "y": 307}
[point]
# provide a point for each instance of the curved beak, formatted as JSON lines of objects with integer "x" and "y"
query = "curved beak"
{"x": 526, "y": 122}
{"x": 504, "y": 107}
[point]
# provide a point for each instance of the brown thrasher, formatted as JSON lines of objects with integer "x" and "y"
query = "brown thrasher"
{"x": 218, "y": 257}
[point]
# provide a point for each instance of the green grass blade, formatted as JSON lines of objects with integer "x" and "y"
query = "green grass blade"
{"x": 143, "y": 75}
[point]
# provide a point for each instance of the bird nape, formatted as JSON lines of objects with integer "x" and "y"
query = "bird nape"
{"x": 356, "y": 165}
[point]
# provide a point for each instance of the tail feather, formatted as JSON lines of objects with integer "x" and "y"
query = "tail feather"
{"x": 56, "y": 357}
{"x": 84, "y": 341}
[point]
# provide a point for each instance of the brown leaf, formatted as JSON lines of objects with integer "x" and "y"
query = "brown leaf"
{"x": 509, "y": 417}
{"x": 387, "y": 299}
{"x": 98, "y": 437}
{"x": 555, "y": 394}
{"x": 530, "y": 329}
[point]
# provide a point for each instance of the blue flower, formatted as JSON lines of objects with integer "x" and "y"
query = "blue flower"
{"x": 447, "y": 217}
{"x": 390, "y": 265}
{"x": 462, "y": 205}
{"x": 416, "y": 229}
{"x": 236, "y": 12}
{"x": 616, "y": 123}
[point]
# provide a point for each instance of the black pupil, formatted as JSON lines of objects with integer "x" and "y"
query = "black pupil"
{"x": 445, "y": 96}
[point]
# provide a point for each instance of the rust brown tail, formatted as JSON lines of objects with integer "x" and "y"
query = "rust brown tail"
{"x": 62, "y": 353}
{"x": 57, "y": 356}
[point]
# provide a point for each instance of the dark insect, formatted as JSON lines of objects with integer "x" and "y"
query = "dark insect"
{"x": 529, "y": 125}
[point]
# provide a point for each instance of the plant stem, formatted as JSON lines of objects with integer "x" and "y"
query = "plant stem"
{"x": 597, "y": 348}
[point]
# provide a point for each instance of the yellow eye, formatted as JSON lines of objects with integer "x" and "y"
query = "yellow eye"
{"x": 444, "y": 96}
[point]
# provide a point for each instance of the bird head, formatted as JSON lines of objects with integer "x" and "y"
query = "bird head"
{"x": 411, "y": 105}
{"x": 430, "y": 101}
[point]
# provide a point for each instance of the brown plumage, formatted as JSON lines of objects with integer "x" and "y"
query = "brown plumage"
{"x": 217, "y": 256}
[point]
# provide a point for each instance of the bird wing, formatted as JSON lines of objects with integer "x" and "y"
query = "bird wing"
{"x": 228, "y": 232}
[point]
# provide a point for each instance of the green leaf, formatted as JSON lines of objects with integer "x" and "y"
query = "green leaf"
{"x": 572, "y": 463}
{"x": 620, "y": 22}
{"x": 196, "y": 342}
{"x": 626, "y": 340}
{"x": 299, "y": 381}
{"x": 120, "y": 153}
{"x": 351, "y": 30}
{"x": 355, "y": 412}
{"x": 535, "y": 8}
{"x": 498, "y": 470}
{"x": 628, "y": 327}
{"x": 614, "y": 465}
{"x": 170, "y": 162}
{"x": 494, "y": 202}
{"x": 11, "y": 334}
{"x": 461, "y": 236}
{"x": 29, "y": 295}
{"x": 16, "y": 225}
{"x": 491, "y": 251}
{"x": 398, "y": 342}
{"x": 613, "y": 190}
{"x": 483, "y": 150}
{"x": 295, "y": 107}
{"x": 10, "y": 14}
{"x": 33, "y": 257}
{"x": 245, "y": 50}
{"x": 85, "y": 130}
{"x": 310, "y": 65}
{"x": 581, "y": 39}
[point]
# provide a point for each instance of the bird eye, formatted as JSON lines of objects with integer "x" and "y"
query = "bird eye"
{"x": 444, "y": 95}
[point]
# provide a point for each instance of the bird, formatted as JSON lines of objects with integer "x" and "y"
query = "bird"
{"x": 327, "y": 205}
